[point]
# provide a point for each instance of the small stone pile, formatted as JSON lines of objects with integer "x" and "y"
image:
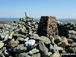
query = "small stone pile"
{"x": 20, "y": 39}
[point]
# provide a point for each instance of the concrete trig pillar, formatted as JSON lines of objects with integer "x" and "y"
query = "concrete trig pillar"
{"x": 47, "y": 26}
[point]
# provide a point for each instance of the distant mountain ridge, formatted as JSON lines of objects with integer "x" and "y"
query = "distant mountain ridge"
{"x": 37, "y": 19}
{"x": 9, "y": 19}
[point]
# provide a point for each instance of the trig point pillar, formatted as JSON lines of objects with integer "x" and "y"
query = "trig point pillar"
{"x": 47, "y": 26}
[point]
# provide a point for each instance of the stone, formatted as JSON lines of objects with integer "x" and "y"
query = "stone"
{"x": 13, "y": 43}
{"x": 6, "y": 53}
{"x": 3, "y": 49}
{"x": 73, "y": 44}
{"x": 20, "y": 39}
{"x": 70, "y": 41}
{"x": 49, "y": 53}
{"x": 6, "y": 37}
{"x": 72, "y": 36}
{"x": 1, "y": 44}
{"x": 54, "y": 48}
{"x": 43, "y": 49}
{"x": 26, "y": 39}
{"x": 22, "y": 55}
{"x": 1, "y": 25}
{"x": 36, "y": 55}
{"x": 2, "y": 36}
{"x": 74, "y": 49}
{"x": 64, "y": 42}
{"x": 47, "y": 26}
{"x": 19, "y": 35}
{"x": 72, "y": 32}
{"x": 20, "y": 48}
{"x": 33, "y": 51}
{"x": 57, "y": 39}
{"x": 63, "y": 30}
{"x": 35, "y": 36}
{"x": 0, "y": 52}
{"x": 46, "y": 40}
{"x": 52, "y": 39}
{"x": 56, "y": 54}
{"x": 30, "y": 43}
{"x": 11, "y": 35}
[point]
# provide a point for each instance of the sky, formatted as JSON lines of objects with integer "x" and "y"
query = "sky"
{"x": 38, "y": 8}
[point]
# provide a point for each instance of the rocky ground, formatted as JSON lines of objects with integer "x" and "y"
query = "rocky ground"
{"x": 20, "y": 39}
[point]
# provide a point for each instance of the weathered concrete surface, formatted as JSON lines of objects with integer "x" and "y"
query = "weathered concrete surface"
{"x": 47, "y": 26}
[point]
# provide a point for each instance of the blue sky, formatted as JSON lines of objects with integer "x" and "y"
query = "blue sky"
{"x": 37, "y": 8}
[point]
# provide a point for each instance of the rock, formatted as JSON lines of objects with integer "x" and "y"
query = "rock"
{"x": 52, "y": 39}
{"x": 20, "y": 39}
{"x": 43, "y": 49}
{"x": 19, "y": 35}
{"x": 63, "y": 30}
{"x": 35, "y": 36}
{"x": 2, "y": 37}
{"x": 49, "y": 53}
{"x": 74, "y": 49}
{"x": 73, "y": 44}
{"x": 64, "y": 42}
{"x": 1, "y": 25}
{"x": 56, "y": 54}
{"x": 30, "y": 43}
{"x": 13, "y": 43}
{"x": 57, "y": 39}
{"x": 45, "y": 40}
{"x": 2, "y": 55}
{"x": 33, "y": 51}
{"x": 30, "y": 32}
{"x": 22, "y": 55}
{"x": 6, "y": 37}
{"x": 11, "y": 35}
{"x": 54, "y": 48}
{"x": 26, "y": 39}
{"x": 70, "y": 41}
{"x": 72, "y": 36}
{"x": 1, "y": 44}
{"x": 3, "y": 49}
{"x": 20, "y": 48}
{"x": 36, "y": 55}
{"x": 0, "y": 52}
{"x": 6, "y": 53}
{"x": 72, "y": 32}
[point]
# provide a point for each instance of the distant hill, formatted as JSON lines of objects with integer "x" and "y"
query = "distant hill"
{"x": 36, "y": 19}
{"x": 9, "y": 19}
{"x": 2, "y": 22}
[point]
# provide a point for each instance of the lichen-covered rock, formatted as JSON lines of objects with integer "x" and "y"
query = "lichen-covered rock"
{"x": 13, "y": 43}
{"x": 22, "y": 55}
{"x": 46, "y": 40}
{"x": 43, "y": 49}
{"x": 33, "y": 51}
{"x": 36, "y": 55}
{"x": 57, "y": 39}
{"x": 56, "y": 54}
{"x": 63, "y": 43}
{"x": 1, "y": 44}
{"x": 20, "y": 48}
{"x": 30, "y": 43}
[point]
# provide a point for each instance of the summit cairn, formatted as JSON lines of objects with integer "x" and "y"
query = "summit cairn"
{"x": 47, "y": 26}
